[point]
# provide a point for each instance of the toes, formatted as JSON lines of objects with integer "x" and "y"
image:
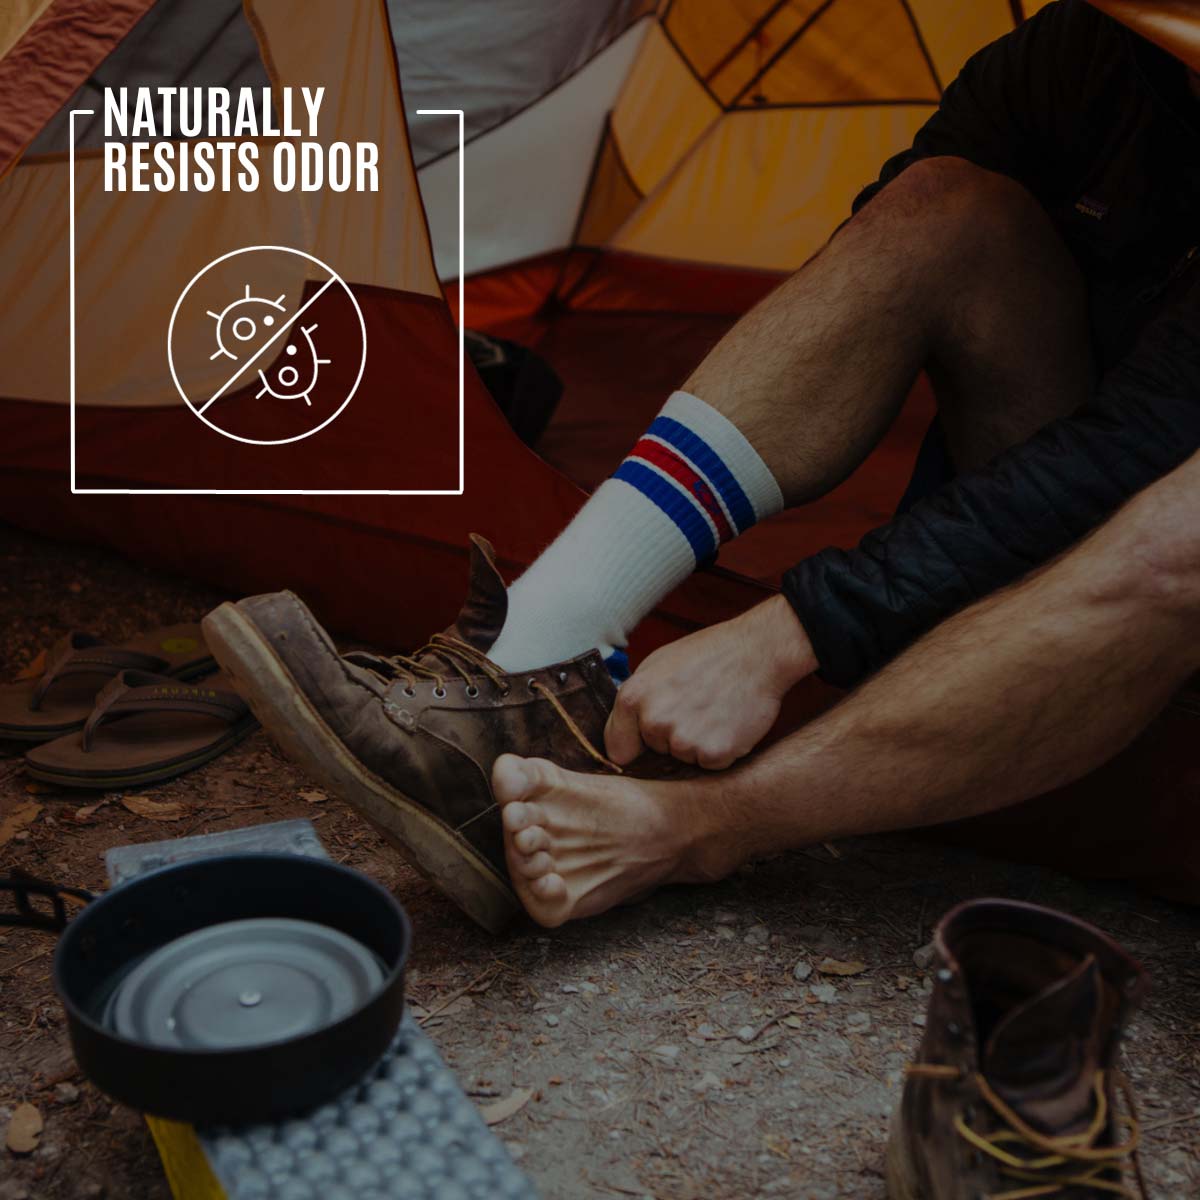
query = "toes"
{"x": 549, "y": 888}
{"x": 510, "y": 780}
{"x": 516, "y": 816}
{"x": 531, "y": 839}
{"x": 534, "y": 866}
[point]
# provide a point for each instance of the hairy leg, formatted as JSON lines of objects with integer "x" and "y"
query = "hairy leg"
{"x": 941, "y": 269}
{"x": 938, "y": 270}
{"x": 1023, "y": 692}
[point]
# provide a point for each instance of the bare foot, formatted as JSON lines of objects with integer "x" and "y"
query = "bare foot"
{"x": 578, "y": 845}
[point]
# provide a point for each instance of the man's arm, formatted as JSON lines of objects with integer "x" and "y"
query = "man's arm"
{"x": 1027, "y": 690}
{"x": 1021, "y": 693}
{"x": 859, "y": 608}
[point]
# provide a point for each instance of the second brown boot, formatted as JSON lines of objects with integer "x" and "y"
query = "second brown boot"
{"x": 1016, "y": 1093}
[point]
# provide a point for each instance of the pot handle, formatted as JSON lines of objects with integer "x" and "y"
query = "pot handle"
{"x": 23, "y": 886}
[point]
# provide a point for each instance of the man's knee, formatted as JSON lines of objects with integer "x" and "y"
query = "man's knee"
{"x": 950, "y": 204}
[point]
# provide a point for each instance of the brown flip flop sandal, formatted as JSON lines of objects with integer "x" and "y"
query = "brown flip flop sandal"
{"x": 54, "y": 694}
{"x": 143, "y": 729}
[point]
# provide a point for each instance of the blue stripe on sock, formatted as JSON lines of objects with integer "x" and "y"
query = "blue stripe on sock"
{"x": 618, "y": 666}
{"x": 711, "y": 464}
{"x": 677, "y": 506}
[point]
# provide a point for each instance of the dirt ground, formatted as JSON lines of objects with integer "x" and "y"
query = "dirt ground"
{"x": 685, "y": 1048}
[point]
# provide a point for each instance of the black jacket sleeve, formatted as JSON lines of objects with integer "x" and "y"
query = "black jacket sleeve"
{"x": 1020, "y": 104}
{"x": 990, "y": 527}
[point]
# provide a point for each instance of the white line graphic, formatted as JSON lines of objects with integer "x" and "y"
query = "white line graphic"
{"x": 273, "y": 338}
{"x": 117, "y": 491}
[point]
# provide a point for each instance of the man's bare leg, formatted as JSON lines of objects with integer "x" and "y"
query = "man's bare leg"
{"x": 1023, "y": 692}
{"x": 937, "y": 271}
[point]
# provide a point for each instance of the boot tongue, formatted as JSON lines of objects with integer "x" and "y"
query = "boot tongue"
{"x": 1043, "y": 1056}
{"x": 483, "y": 615}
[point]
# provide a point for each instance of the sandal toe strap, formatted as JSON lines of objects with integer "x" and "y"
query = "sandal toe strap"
{"x": 86, "y": 654}
{"x": 132, "y": 692}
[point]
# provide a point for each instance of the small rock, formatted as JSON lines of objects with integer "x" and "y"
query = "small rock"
{"x": 706, "y": 1031}
{"x": 569, "y": 988}
{"x": 668, "y": 1052}
{"x": 923, "y": 958}
{"x": 551, "y": 1020}
{"x": 919, "y": 1020}
{"x": 760, "y": 935}
{"x": 725, "y": 933}
{"x": 746, "y": 1033}
{"x": 724, "y": 917}
{"x": 66, "y": 1093}
{"x": 515, "y": 1151}
{"x": 825, "y": 993}
{"x": 706, "y": 1081}
{"x": 858, "y": 1021}
{"x": 24, "y": 1129}
{"x": 783, "y": 1063}
{"x": 589, "y": 987}
{"x": 802, "y": 970}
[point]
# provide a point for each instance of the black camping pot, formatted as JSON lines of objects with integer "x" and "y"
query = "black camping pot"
{"x": 241, "y": 987}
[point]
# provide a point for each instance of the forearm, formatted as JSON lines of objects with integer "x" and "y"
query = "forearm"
{"x": 1025, "y": 691}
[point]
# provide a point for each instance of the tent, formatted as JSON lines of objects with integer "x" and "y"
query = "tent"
{"x": 637, "y": 175}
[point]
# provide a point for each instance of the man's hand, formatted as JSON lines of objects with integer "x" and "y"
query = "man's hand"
{"x": 711, "y": 697}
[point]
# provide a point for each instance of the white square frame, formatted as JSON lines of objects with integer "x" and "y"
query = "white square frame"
{"x": 82, "y": 491}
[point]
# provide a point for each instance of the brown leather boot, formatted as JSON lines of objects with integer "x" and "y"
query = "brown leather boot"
{"x": 409, "y": 742}
{"x": 1014, "y": 1093}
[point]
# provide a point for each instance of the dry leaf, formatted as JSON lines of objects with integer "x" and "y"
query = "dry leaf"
{"x": 792, "y": 1021}
{"x": 24, "y": 1129}
{"x": 154, "y": 810}
{"x": 35, "y": 670}
{"x": 833, "y": 966}
{"x": 313, "y": 796}
{"x": 84, "y": 815}
{"x": 15, "y": 822}
{"x": 493, "y": 1114}
{"x": 778, "y": 1144}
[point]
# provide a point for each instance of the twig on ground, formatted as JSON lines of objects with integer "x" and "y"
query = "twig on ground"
{"x": 493, "y": 970}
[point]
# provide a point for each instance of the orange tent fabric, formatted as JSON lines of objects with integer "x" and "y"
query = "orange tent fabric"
{"x": 669, "y": 176}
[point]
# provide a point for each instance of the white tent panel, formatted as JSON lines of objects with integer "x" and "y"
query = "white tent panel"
{"x": 493, "y": 57}
{"x": 525, "y": 181}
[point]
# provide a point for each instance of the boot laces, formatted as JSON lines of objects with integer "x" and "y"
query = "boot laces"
{"x": 1045, "y": 1165}
{"x": 444, "y": 650}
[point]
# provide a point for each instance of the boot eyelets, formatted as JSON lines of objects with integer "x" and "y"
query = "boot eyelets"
{"x": 531, "y": 684}
{"x": 472, "y": 691}
{"x": 440, "y": 693}
{"x": 945, "y": 975}
{"x": 410, "y": 691}
{"x": 562, "y": 677}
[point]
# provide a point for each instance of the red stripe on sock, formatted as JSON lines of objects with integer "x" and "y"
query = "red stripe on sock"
{"x": 696, "y": 486}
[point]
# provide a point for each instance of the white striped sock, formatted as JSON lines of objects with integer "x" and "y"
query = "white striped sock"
{"x": 692, "y": 482}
